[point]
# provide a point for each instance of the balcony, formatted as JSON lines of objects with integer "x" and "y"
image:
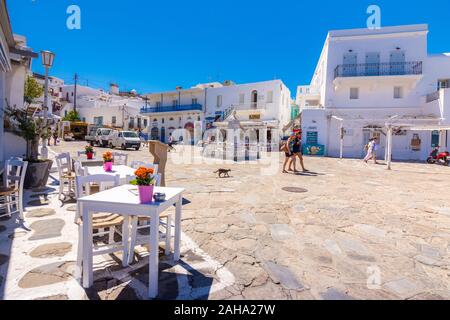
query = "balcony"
{"x": 249, "y": 106}
{"x": 378, "y": 69}
{"x": 178, "y": 108}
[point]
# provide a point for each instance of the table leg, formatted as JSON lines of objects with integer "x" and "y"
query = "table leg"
{"x": 153, "y": 265}
{"x": 126, "y": 240}
{"x": 176, "y": 255}
{"x": 87, "y": 247}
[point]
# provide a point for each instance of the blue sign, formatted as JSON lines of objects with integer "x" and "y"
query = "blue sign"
{"x": 313, "y": 149}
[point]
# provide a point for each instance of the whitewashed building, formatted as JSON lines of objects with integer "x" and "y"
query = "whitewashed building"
{"x": 264, "y": 106}
{"x": 95, "y": 106}
{"x": 374, "y": 83}
{"x": 15, "y": 61}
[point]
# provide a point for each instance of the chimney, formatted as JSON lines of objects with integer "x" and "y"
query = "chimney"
{"x": 113, "y": 88}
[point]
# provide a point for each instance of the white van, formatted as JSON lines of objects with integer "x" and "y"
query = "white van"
{"x": 124, "y": 140}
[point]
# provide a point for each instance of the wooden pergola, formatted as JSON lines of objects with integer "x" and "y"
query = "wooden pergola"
{"x": 398, "y": 123}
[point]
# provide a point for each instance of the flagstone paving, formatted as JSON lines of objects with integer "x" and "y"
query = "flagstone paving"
{"x": 358, "y": 232}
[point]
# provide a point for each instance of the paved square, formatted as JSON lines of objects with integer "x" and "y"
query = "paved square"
{"x": 359, "y": 232}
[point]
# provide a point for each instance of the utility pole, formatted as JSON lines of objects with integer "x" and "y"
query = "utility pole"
{"x": 75, "y": 93}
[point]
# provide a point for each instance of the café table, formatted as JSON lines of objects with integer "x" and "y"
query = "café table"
{"x": 85, "y": 162}
{"x": 123, "y": 171}
{"x": 124, "y": 200}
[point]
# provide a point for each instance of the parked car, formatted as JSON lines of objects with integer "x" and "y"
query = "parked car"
{"x": 124, "y": 140}
{"x": 100, "y": 138}
{"x": 91, "y": 132}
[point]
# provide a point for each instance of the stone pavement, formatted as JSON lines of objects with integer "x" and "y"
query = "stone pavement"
{"x": 354, "y": 231}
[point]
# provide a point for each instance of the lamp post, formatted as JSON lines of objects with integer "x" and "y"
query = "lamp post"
{"x": 47, "y": 62}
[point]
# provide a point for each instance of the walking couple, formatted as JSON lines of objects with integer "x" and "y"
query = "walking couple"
{"x": 371, "y": 148}
{"x": 293, "y": 149}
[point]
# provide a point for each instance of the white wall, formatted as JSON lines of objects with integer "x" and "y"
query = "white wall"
{"x": 376, "y": 94}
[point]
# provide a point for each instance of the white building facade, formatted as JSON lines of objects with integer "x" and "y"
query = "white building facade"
{"x": 95, "y": 106}
{"x": 368, "y": 81}
{"x": 261, "y": 105}
{"x": 15, "y": 61}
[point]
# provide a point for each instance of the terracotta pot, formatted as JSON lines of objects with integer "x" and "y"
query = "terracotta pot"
{"x": 145, "y": 194}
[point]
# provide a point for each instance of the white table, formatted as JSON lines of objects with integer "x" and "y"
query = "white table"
{"x": 124, "y": 201}
{"x": 122, "y": 170}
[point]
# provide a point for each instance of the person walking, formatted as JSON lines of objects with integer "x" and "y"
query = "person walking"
{"x": 371, "y": 148}
{"x": 55, "y": 137}
{"x": 287, "y": 148}
{"x": 297, "y": 151}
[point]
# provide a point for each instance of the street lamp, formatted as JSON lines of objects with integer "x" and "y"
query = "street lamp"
{"x": 47, "y": 62}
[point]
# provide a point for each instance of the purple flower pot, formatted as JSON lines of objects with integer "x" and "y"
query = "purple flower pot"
{"x": 108, "y": 166}
{"x": 145, "y": 194}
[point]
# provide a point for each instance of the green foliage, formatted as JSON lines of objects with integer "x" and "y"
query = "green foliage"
{"x": 72, "y": 116}
{"x": 33, "y": 90}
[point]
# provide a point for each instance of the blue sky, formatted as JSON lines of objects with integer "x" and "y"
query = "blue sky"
{"x": 157, "y": 45}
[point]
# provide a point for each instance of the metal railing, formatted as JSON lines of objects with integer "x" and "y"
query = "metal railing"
{"x": 378, "y": 69}
{"x": 188, "y": 107}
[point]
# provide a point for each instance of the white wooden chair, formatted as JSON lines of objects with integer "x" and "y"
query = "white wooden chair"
{"x": 83, "y": 153}
{"x": 11, "y": 194}
{"x": 120, "y": 158}
{"x": 79, "y": 169}
{"x": 102, "y": 221}
{"x": 66, "y": 175}
{"x": 136, "y": 164}
{"x": 139, "y": 223}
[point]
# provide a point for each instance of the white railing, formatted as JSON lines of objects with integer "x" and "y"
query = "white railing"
{"x": 249, "y": 106}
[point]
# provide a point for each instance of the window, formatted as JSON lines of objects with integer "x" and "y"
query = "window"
{"x": 158, "y": 104}
{"x": 98, "y": 120}
{"x": 174, "y": 103}
{"x": 354, "y": 93}
{"x": 242, "y": 98}
{"x": 219, "y": 101}
{"x": 84, "y": 119}
{"x": 269, "y": 96}
{"x": 198, "y": 118}
{"x": 162, "y": 120}
{"x": 443, "y": 84}
{"x": 171, "y": 119}
{"x": 113, "y": 120}
{"x": 145, "y": 123}
{"x": 194, "y": 101}
{"x": 398, "y": 92}
{"x": 65, "y": 113}
{"x": 131, "y": 123}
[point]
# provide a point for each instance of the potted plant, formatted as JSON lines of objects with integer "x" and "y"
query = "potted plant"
{"x": 107, "y": 161}
{"x": 89, "y": 152}
{"x": 145, "y": 181}
{"x": 23, "y": 123}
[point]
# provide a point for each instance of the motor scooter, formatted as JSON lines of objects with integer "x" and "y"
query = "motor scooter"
{"x": 437, "y": 157}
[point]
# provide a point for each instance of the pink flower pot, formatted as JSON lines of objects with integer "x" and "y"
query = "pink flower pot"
{"x": 145, "y": 194}
{"x": 90, "y": 155}
{"x": 108, "y": 166}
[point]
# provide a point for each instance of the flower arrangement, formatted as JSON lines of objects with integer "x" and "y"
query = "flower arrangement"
{"x": 145, "y": 180}
{"x": 89, "y": 149}
{"x": 144, "y": 177}
{"x": 108, "y": 161}
{"x": 108, "y": 157}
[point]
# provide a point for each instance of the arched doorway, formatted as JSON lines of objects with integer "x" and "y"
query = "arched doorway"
{"x": 154, "y": 133}
{"x": 189, "y": 126}
{"x": 254, "y": 99}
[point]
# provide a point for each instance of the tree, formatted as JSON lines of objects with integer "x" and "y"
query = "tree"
{"x": 33, "y": 90}
{"x": 72, "y": 116}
